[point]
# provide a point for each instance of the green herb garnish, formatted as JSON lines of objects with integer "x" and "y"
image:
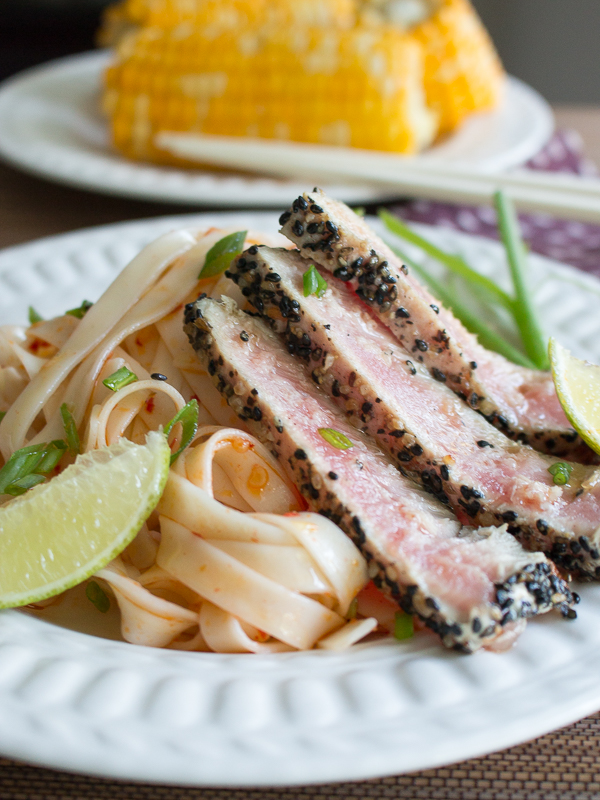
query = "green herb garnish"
{"x": 81, "y": 310}
{"x": 534, "y": 341}
{"x": 520, "y": 307}
{"x": 2, "y": 415}
{"x": 403, "y": 626}
{"x": 561, "y": 472}
{"x": 188, "y": 417}
{"x": 29, "y": 466}
{"x": 221, "y": 254}
{"x": 34, "y": 316}
{"x": 313, "y": 282}
{"x": 335, "y": 438}
{"x": 22, "y": 485}
{"x": 452, "y": 262}
{"x": 486, "y": 335}
{"x": 119, "y": 379}
{"x": 70, "y": 430}
{"x": 96, "y": 595}
{"x": 360, "y": 211}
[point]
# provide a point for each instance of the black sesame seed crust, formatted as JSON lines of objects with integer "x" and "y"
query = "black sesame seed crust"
{"x": 313, "y": 337}
{"x": 531, "y": 589}
{"x": 328, "y": 233}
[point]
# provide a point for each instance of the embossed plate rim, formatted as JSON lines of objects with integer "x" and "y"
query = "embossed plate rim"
{"x": 72, "y": 701}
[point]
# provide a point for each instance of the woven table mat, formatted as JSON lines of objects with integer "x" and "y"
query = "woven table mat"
{"x": 564, "y": 765}
{"x": 573, "y": 242}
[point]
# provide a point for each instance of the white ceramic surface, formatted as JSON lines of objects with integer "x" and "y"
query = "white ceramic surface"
{"x": 73, "y": 701}
{"x": 51, "y": 125}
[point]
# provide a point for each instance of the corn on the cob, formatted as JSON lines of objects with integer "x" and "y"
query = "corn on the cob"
{"x": 217, "y": 16}
{"x": 358, "y": 87}
{"x": 330, "y": 71}
{"x": 462, "y": 71}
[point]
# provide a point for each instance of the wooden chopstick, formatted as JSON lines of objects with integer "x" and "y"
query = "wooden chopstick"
{"x": 567, "y": 196}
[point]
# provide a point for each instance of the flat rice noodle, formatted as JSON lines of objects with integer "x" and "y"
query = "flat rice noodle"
{"x": 225, "y": 582}
{"x": 196, "y": 510}
{"x": 121, "y": 295}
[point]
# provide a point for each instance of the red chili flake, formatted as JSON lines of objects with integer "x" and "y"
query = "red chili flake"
{"x": 150, "y": 404}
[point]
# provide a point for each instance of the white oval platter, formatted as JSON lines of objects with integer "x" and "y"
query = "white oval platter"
{"x": 74, "y": 701}
{"x": 51, "y": 125}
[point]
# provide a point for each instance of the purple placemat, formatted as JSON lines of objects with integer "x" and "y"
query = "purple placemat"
{"x": 575, "y": 243}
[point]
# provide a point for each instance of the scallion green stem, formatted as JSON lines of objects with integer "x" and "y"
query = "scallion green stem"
{"x": 486, "y": 335}
{"x": 70, "y": 430}
{"x": 34, "y": 316}
{"x": 188, "y": 418}
{"x": 120, "y": 379}
{"x": 534, "y": 341}
{"x": 313, "y": 283}
{"x": 80, "y": 311}
{"x": 221, "y": 254}
{"x": 452, "y": 262}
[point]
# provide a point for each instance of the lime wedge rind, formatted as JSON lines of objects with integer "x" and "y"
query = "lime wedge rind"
{"x": 566, "y": 372}
{"x": 62, "y": 532}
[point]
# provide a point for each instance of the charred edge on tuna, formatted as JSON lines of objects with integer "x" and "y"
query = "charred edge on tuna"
{"x": 534, "y": 589}
{"x": 411, "y": 459}
{"x": 367, "y": 271}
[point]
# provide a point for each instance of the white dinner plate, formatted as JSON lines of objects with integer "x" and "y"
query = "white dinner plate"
{"x": 51, "y": 125}
{"x": 74, "y": 701}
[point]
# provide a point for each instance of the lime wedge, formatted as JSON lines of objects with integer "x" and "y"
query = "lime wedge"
{"x": 578, "y": 388}
{"x": 61, "y": 532}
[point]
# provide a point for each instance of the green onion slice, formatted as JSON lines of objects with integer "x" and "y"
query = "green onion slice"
{"x": 70, "y": 430}
{"x": 221, "y": 254}
{"x": 188, "y": 417}
{"x": 119, "y": 379}
{"x": 360, "y": 211}
{"x": 19, "y": 487}
{"x": 313, "y": 282}
{"x": 34, "y": 316}
{"x": 403, "y": 626}
{"x": 81, "y": 310}
{"x": 35, "y": 460}
{"x": 96, "y": 595}
{"x": 335, "y": 438}
{"x": 561, "y": 472}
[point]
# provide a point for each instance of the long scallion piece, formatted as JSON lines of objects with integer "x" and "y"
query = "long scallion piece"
{"x": 534, "y": 341}
{"x": 452, "y": 262}
{"x": 486, "y": 335}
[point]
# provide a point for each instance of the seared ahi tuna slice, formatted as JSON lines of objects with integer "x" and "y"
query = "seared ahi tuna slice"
{"x": 472, "y": 587}
{"x": 430, "y": 432}
{"x": 520, "y": 402}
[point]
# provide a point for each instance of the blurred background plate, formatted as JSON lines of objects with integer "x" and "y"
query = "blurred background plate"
{"x": 51, "y": 125}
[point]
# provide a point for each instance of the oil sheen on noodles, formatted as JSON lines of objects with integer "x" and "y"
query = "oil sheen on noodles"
{"x": 229, "y": 561}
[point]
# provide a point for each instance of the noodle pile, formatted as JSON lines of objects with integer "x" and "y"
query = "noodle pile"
{"x": 228, "y": 561}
